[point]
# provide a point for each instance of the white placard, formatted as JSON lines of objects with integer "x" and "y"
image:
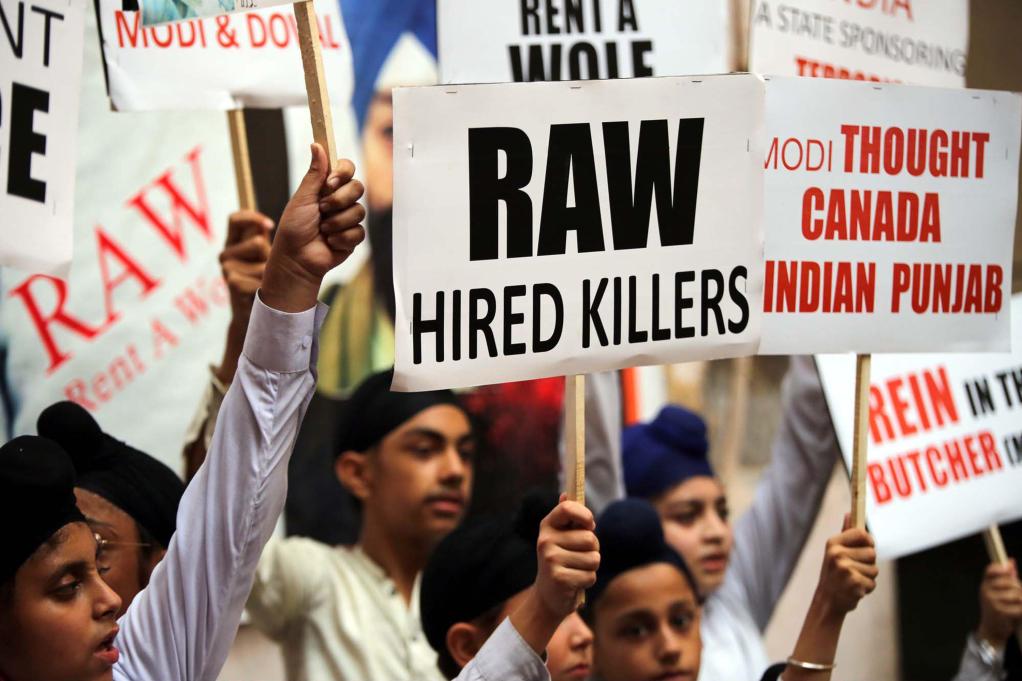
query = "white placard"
{"x": 40, "y": 76}
{"x": 890, "y": 217}
{"x": 131, "y": 331}
{"x": 602, "y": 236}
{"x": 901, "y": 41}
{"x": 162, "y": 11}
{"x": 228, "y": 62}
{"x": 514, "y": 40}
{"x": 945, "y": 442}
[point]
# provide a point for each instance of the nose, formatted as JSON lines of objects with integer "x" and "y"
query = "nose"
{"x": 669, "y": 649}
{"x": 106, "y": 603}
{"x": 714, "y": 527}
{"x": 453, "y": 467}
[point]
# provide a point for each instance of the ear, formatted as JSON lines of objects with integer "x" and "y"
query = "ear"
{"x": 463, "y": 642}
{"x": 352, "y": 469}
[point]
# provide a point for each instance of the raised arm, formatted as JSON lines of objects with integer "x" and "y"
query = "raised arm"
{"x": 848, "y": 575}
{"x": 1000, "y": 607}
{"x": 770, "y": 536}
{"x": 242, "y": 263}
{"x": 182, "y": 625}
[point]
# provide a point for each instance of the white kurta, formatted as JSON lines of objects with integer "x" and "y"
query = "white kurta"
{"x": 769, "y": 537}
{"x": 337, "y": 615}
{"x": 181, "y": 626}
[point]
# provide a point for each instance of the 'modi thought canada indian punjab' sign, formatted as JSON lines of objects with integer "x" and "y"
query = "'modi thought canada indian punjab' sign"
{"x": 623, "y": 231}
{"x": 889, "y": 214}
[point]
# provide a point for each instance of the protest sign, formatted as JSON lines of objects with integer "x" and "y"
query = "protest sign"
{"x": 945, "y": 441}
{"x": 164, "y": 11}
{"x": 227, "y": 62}
{"x": 130, "y": 333}
{"x": 923, "y": 43}
{"x": 890, "y": 217}
{"x": 514, "y": 40}
{"x": 610, "y": 238}
{"x": 40, "y": 75}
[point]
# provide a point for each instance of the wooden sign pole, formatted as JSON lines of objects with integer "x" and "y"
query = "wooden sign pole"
{"x": 575, "y": 437}
{"x": 995, "y": 549}
{"x": 575, "y": 444}
{"x": 242, "y": 163}
{"x": 315, "y": 80}
{"x": 859, "y": 442}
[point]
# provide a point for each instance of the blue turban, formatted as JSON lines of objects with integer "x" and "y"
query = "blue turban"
{"x": 374, "y": 27}
{"x": 631, "y": 536}
{"x": 665, "y": 452}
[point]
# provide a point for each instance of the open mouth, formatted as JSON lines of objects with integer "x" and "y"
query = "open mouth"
{"x": 715, "y": 562}
{"x": 107, "y": 651}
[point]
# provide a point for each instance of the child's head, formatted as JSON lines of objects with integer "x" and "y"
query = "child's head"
{"x": 665, "y": 463}
{"x": 643, "y": 609}
{"x": 129, "y": 498}
{"x": 408, "y": 458}
{"x": 477, "y": 576}
{"x": 57, "y": 615}
{"x": 569, "y": 655}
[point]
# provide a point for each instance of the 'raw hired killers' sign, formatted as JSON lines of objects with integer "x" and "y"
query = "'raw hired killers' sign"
{"x": 530, "y": 40}
{"x": 625, "y": 230}
{"x": 945, "y": 442}
{"x": 889, "y": 216}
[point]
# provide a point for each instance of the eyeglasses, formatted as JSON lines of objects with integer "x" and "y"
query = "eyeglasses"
{"x": 102, "y": 544}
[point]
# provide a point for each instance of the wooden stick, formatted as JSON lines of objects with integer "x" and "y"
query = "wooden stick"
{"x": 859, "y": 442}
{"x": 575, "y": 437}
{"x": 995, "y": 549}
{"x": 242, "y": 162}
{"x": 315, "y": 81}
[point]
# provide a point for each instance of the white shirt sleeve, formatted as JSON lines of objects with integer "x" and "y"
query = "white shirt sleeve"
{"x": 182, "y": 625}
{"x": 770, "y": 536}
{"x": 505, "y": 657}
{"x": 980, "y": 662}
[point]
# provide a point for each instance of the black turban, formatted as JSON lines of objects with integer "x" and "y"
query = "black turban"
{"x": 478, "y": 566}
{"x": 631, "y": 536}
{"x": 131, "y": 480}
{"x": 373, "y": 411}
{"x": 37, "y": 498}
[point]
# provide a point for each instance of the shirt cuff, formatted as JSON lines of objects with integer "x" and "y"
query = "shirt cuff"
{"x": 281, "y": 342}
{"x": 506, "y": 655}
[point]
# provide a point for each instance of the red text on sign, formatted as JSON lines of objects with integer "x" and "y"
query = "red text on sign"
{"x": 934, "y": 467}
{"x": 905, "y": 405}
{"x": 914, "y": 150}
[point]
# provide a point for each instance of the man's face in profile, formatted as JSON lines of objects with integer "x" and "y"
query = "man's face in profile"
{"x": 378, "y": 152}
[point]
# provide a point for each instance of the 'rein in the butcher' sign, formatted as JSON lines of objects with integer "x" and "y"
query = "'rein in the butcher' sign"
{"x": 560, "y": 228}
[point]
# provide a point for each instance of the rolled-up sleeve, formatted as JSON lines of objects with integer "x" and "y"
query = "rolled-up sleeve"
{"x": 182, "y": 625}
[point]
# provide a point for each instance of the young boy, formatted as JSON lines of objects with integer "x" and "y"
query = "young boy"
{"x": 129, "y": 499}
{"x": 645, "y": 614}
{"x": 489, "y": 569}
{"x": 57, "y": 615}
{"x": 741, "y": 570}
{"x": 351, "y": 612}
